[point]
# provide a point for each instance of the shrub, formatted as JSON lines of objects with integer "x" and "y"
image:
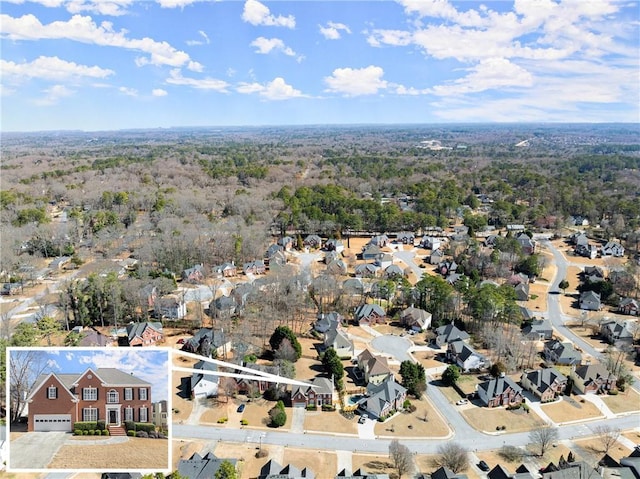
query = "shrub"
{"x": 328, "y": 407}
{"x": 244, "y": 422}
{"x": 406, "y": 404}
{"x": 131, "y": 433}
{"x": 222, "y": 420}
{"x": 100, "y": 425}
{"x": 105, "y": 432}
{"x": 130, "y": 425}
{"x": 85, "y": 433}
{"x": 613, "y": 392}
{"x": 142, "y": 434}
{"x": 261, "y": 453}
{"x": 85, "y": 425}
{"x": 511, "y": 453}
{"x": 77, "y": 432}
{"x": 145, "y": 426}
{"x": 312, "y": 407}
{"x": 92, "y": 432}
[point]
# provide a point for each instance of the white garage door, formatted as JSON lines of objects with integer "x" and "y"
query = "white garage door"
{"x": 52, "y": 422}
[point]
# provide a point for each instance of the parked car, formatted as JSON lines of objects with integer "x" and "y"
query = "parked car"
{"x": 462, "y": 402}
{"x": 483, "y": 466}
{"x": 241, "y": 408}
{"x": 363, "y": 419}
{"x": 180, "y": 341}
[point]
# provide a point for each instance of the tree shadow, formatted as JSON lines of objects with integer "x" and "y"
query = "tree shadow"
{"x": 184, "y": 389}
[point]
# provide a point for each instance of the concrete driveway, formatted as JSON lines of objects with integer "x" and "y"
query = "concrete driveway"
{"x": 396, "y": 346}
{"x": 35, "y": 450}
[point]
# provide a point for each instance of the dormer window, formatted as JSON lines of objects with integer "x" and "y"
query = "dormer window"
{"x": 52, "y": 392}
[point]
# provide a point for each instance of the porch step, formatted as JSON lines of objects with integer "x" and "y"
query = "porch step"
{"x": 117, "y": 431}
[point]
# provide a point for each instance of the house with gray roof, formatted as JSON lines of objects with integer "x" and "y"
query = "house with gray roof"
{"x": 393, "y": 271}
{"x": 366, "y": 270}
{"x": 590, "y": 301}
{"x": 370, "y": 314}
{"x": 313, "y": 241}
{"x": 206, "y": 341}
{"x": 204, "y": 385}
{"x": 629, "y": 306}
{"x": 501, "y": 391}
{"x": 223, "y": 307}
{"x": 202, "y": 467}
{"x": 334, "y": 245}
{"x": 144, "y": 334}
{"x": 446, "y": 473}
{"x": 557, "y": 352}
{"x": 612, "y": 248}
{"x": 592, "y": 378}
{"x": 319, "y": 393}
{"x": 538, "y": 330}
{"x": 464, "y": 356}
{"x": 406, "y": 237}
{"x": 273, "y": 470}
{"x": 360, "y": 474}
{"x": 371, "y": 252}
{"x": 170, "y": 306}
{"x": 415, "y": 318}
{"x": 616, "y": 333}
{"x": 337, "y": 339}
{"x": 374, "y": 368}
{"x": 546, "y": 383}
{"x": 327, "y": 321}
{"x": 384, "y": 398}
{"x": 195, "y": 274}
{"x": 448, "y": 333}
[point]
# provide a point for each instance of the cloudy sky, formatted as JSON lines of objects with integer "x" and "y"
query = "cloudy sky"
{"x": 148, "y": 364}
{"x": 113, "y": 64}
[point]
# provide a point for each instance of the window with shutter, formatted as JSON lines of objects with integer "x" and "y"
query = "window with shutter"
{"x": 52, "y": 392}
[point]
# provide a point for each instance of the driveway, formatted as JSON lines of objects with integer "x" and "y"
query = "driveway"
{"x": 396, "y": 346}
{"x": 35, "y": 450}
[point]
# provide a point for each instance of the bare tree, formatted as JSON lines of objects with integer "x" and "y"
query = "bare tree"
{"x": 286, "y": 351}
{"x": 607, "y": 436}
{"x": 401, "y": 457}
{"x": 452, "y": 456}
{"x": 24, "y": 368}
{"x": 543, "y": 437}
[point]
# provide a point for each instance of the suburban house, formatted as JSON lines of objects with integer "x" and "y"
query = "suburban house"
{"x": 436, "y": 257}
{"x": 148, "y": 296}
{"x": 337, "y": 267}
{"x": 334, "y": 245}
{"x": 629, "y": 306}
{"x": 273, "y": 470}
{"x": 369, "y": 314}
{"x": 374, "y": 368}
{"x": 616, "y": 333}
{"x": 160, "y": 414}
{"x": 538, "y": 330}
{"x": 445, "y": 473}
{"x": 447, "y": 267}
{"x": 416, "y": 319}
{"x": 522, "y": 291}
{"x": 366, "y": 270}
{"x": 195, "y": 274}
{"x": 384, "y": 398}
{"x": 448, "y": 333}
{"x": 208, "y": 342}
{"x": 592, "y": 378}
{"x": 320, "y": 392}
{"x": 287, "y": 242}
{"x": 144, "y": 334}
{"x": 393, "y": 271}
{"x": 337, "y": 339}
{"x": 406, "y": 238}
{"x": 430, "y": 242}
{"x": 171, "y": 306}
{"x": 360, "y": 474}
{"x": 546, "y": 384}
{"x": 612, "y": 248}
{"x": 501, "y": 391}
{"x": 371, "y": 252}
{"x": 254, "y": 267}
{"x": 226, "y": 270}
{"x": 202, "y": 467}
{"x": 223, "y": 307}
{"x": 593, "y": 274}
{"x": 91, "y": 337}
{"x": 380, "y": 240}
{"x": 272, "y": 250}
{"x": 528, "y": 245}
{"x": 558, "y": 352}
{"x": 464, "y": 356}
{"x": 578, "y": 220}
{"x": 204, "y": 385}
{"x": 354, "y": 287}
{"x": 327, "y": 321}
{"x": 248, "y": 386}
{"x": 313, "y": 241}
{"x": 60, "y": 262}
{"x": 590, "y": 300}
{"x": 58, "y": 400}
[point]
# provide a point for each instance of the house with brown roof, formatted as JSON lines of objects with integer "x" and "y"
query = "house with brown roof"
{"x": 629, "y": 306}
{"x": 374, "y": 368}
{"x": 415, "y": 318}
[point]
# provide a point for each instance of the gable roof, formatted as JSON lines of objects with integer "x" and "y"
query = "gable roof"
{"x": 379, "y": 395}
{"x": 367, "y": 310}
{"x": 201, "y": 467}
{"x": 542, "y": 379}
{"x": 497, "y": 386}
{"x": 137, "y": 329}
{"x": 65, "y": 380}
{"x": 450, "y": 332}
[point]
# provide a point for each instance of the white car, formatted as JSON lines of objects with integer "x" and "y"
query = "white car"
{"x": 462, "y": 402}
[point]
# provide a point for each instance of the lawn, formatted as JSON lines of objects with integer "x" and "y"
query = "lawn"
{"x": 323, "y": 464}
{"x": 623, "y": 402}
{"x": 487, "y": 419}
{"x": 569, "y": 409}
{"x": 184, "y": 449}
{"x": 326, "y": 422}
{"x": 182, "y": 405}
{"x": 593, "y": 447}
{"x": 413, "y": 424}
{"x": 372, "y": 463}
{"x": 136, "y": 453}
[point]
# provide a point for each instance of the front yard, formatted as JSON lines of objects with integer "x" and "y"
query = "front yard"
{"x": 623, "y": 402}
{"x": 488, "y": 419}
{"x": 327, "y": 422}
{"x": 414, "y": 424}
{"x": 569, "y": 409}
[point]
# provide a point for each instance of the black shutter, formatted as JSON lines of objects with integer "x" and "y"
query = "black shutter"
{"x": 56, "y": 392}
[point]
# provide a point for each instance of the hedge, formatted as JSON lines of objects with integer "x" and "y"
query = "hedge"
{"x": 105, "y": 432}
{"x": 85, "y": 426}
{"x": 100, "y": 425}
{"x": 131, "y": 433}
{"x": 77, "y": 432}
{"x": 145, "y": 426}
{"x": 130, "y": 425}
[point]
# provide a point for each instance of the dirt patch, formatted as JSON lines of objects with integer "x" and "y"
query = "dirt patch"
{"x": 136, "y": 453}
{"x": 414, "y": 424}
{"x": 488, "y": 419}
{"x": 623, "y": 402}
{"x": 570, "y": 409}
{"x": 329, "y": 422}
{"x": 538, "y": 297}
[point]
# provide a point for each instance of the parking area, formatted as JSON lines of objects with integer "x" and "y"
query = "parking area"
{"x": 35, "y": 450}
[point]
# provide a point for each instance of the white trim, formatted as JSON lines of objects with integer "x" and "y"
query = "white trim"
{"x": 108, "y": 408}
{"x": 92, "y": 411}
{"x": 146, "y": 414}
{"x": 53, "y": 389}
{"x": 86, "y": 396}
{"x": 146, "y": 394}
{"x": 110, "y": 394}
{"x": 128, "y": 394}
{"x": 128, "y": 413}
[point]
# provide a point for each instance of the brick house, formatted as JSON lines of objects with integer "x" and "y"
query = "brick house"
{"x": 319, "y": 393}
{"x": 370, "y": 314}
{"x": 58, "y": 401}
{"x": 592, "y": 378}
{"x": 502, "y": 391}
{"x": 547, "y": 383}
{"x": 144, "y": 334}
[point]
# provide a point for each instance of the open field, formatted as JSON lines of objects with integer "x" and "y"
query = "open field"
{"x": 135, "y": 453}
{"x": 568, "y": 409}
{"x": 487, "y": 419}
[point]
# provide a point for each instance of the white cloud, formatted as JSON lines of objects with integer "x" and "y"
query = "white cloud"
{"x": 488, "y": 74}
{"x": 100, "y": 7}
{"x": 69, "y": 356}
{"x": 267, "y": 45}
{"x": 257, "y": 13}
{"x": 159, "y": 92}
{"x": 51, "y": 68}
{"x": 277, "y": 89}
{"x": 355, "y": 82}
{"x": 175, "y": 3}
{"x": 176, "y": 78}
{"x": 332, "y": 30}
{"x": 53, "y": 95}
{"x": 396, "y": 38}
{"x": 205, "y": 39}
{"x": 83, "y": 29}
{"x": 53, "y": 364}
{"x": 128, "y": 91}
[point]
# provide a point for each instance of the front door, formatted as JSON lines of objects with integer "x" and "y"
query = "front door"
{"x": 113, "y": 417}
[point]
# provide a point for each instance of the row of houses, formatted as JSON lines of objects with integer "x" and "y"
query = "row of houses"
{"x": 582, "y": 247}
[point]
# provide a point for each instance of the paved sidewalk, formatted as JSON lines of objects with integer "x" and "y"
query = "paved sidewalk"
{"x": 345, "y": 460}
{"x": 600, "y": 404}
{"x": 536, "y": 407}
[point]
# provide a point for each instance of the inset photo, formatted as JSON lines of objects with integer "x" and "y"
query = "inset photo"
{"x": 92, "y": 409}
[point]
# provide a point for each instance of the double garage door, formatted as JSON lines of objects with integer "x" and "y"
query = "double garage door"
{"x": 52, "y": 422}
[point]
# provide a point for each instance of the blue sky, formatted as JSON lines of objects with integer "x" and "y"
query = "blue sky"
{"x": 149, "y": 364}
{"x": 114, "y": 64}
